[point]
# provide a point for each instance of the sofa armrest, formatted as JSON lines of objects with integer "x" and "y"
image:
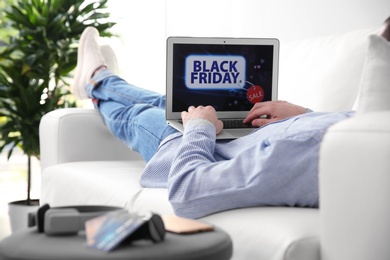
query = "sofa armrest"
{"x": 354, "y": 174}
{"x": 78, "y": 134}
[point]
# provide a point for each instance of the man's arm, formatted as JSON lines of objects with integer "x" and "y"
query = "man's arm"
{"x": 258, "y": 174}
{"x": 199, "y": 184}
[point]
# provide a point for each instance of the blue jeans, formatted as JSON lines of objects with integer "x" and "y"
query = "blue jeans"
{"x": 134, "y": 115}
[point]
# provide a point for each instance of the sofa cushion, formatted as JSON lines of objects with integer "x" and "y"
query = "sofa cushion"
{"x": 271, "y": 232}
{"x": 87, "y": 183}
{"x": 152, "y": 199}
{"x": 323, "y": 73}
{"x": 375, "y": 86}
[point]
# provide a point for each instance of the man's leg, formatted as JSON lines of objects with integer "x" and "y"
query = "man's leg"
{"x": 134, "y": 115}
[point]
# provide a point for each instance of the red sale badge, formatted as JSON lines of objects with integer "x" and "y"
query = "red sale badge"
{"x": 255, "y": 94}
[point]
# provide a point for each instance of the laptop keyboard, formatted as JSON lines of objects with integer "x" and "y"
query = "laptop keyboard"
{"x": 232, "y": 124}
{"x": 235, "y": 123}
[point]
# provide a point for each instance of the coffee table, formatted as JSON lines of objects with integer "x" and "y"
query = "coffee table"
{"x": 29, "y": 244}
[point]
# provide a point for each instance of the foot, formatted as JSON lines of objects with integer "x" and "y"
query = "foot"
{"x": 384, "y": 31}
{"x": 89, "y": 59}
{"x": 110, "y": 58}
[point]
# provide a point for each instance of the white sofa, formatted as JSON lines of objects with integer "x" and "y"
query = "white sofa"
{"x": 82, "y": 163}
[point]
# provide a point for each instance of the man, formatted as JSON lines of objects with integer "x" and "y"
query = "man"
{"x": 276, "y": 165}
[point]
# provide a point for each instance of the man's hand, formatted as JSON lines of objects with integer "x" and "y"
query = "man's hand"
{"x": 207, "y": 113}
{"x": 271, "y": 111}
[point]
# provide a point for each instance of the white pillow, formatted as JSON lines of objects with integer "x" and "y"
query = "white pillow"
{"x": 375, "y": 81}
{"x": 323, "y": 73}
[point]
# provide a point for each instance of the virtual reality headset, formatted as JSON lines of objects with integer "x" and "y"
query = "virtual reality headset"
{"x": 70, "y": 220}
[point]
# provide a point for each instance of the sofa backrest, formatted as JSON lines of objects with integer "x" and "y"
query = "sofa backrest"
{"x": 323, "y": 73}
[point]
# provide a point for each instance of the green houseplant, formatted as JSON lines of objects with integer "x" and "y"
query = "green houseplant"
{"x": 37, "y": 56}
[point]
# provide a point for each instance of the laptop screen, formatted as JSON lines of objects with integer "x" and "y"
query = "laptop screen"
{"x": 229, "y": 76}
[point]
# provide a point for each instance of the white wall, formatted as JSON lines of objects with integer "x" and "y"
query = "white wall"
{"x": 144, "y": 25}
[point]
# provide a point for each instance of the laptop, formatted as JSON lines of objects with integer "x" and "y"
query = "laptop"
{"x": 230, "y": 74}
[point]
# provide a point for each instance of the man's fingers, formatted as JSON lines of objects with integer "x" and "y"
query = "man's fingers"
{"x": 261, "y": 121}
{"x": 254, "y": 115}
